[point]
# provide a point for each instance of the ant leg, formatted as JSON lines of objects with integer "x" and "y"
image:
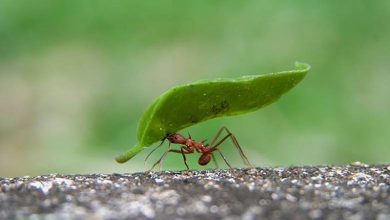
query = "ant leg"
{"x": 184, "y": 156}
{"x": 159, "y": 161}
{"x": 243, "y": 156}
{"x": 235, "y": 142}
{"x": 161, "y": 164}
{"x": 224, "y": 158}
{"x": 215, "y": 161}
{"x": 217, "y": 136}
{"x": 174, "y": 151}
{"x": 162, "y": 142}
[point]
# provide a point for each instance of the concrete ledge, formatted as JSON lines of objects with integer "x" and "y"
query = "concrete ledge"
{"x": 356, "y": 191}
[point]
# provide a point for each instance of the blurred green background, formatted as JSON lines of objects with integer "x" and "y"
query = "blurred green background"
{"x": 75, "y": 77}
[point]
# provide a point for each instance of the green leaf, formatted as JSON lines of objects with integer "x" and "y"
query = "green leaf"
{"x": 186, "y": 105}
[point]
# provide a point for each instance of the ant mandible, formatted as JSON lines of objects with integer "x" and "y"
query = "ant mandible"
{"x": 189, "y": 146}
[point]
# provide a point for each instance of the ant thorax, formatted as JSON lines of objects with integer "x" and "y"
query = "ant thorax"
{"x": 199, "y": 145}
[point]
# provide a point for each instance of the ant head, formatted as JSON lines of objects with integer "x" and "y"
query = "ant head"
{"x": 176, "y": 139}
{"x": 204, "y": 159}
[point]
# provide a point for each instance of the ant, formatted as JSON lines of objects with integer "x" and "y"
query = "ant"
{"x": 189, "y": 146}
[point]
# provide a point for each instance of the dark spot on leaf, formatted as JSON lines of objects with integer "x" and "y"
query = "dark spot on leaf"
{"x": 220, "y": 107}
{"x": 225, "y": 105}
{"x": 193, "y": 119}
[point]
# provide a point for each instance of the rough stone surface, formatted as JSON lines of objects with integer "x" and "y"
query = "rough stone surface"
{"x": 356, "y": 191}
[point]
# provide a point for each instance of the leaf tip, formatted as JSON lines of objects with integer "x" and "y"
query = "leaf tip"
{"x": 302, "y": 66}
{"x": 129, "y": 154}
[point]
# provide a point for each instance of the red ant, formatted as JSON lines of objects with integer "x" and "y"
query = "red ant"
{"x": 189, "y": 146}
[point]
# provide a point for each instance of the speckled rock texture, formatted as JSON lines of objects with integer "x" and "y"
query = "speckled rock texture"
{"x": 356, "y": 191}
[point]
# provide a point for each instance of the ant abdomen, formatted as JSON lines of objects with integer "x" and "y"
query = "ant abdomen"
{"x": 204, "y": 159}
